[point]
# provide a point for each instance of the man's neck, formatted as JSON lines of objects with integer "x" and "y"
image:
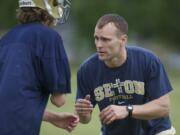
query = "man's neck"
{"x": 117, "y": 61}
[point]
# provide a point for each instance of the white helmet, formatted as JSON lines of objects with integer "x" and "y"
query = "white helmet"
{"x": 59, "y": 9}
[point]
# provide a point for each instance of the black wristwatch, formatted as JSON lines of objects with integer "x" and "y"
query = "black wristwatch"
{"x": 130, "y": 110}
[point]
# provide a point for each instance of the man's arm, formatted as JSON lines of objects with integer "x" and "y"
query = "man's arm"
{"x": 58, "y": 99}
{"x": 64, "y": 120}
{"x": 153, "y": 109}
{"x": 157, "y": 108}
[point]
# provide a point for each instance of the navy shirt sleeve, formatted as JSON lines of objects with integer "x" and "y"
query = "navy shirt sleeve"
{"x": 157, "y": 83}
{"x": 55, "y": 67}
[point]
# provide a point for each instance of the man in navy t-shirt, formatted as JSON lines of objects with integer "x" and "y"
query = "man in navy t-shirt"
{"x": 129, "y": 84}
{"x": 34, "y": 66}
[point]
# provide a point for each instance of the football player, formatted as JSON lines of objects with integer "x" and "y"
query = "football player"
{"x": 33, "y": 67}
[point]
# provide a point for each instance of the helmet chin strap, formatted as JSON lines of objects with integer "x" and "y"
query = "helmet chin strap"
{"x": 60, "y": 11}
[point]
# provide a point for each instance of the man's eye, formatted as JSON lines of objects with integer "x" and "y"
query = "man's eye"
{"x": 105, "y": 39}
{"x": 95, "y": 38}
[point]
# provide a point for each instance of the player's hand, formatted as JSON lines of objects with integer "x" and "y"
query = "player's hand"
{"x": 64, "y": 120}
{"x": 113, "y": 112}
{"x": 83, "y": 106}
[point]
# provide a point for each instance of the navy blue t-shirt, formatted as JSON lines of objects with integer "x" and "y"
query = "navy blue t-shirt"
{"x": 33, "y": 64}
{"x": 140, "y": 79}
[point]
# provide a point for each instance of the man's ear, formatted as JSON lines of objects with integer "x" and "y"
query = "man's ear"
{"x": 123, "y": 39}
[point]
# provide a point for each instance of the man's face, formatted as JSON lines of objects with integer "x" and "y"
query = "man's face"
{"x": 109, "y": 43}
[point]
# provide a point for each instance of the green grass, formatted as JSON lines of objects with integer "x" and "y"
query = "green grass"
{"x": 175, "y": 98}
{"x": 93, "y": 127}
{"x": 81, "y": 129}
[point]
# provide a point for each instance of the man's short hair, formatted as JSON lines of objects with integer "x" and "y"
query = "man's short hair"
{"x": 120, "y": 23}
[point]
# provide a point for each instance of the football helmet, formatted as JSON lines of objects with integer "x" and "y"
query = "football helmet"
{"x": 59, "y": 9}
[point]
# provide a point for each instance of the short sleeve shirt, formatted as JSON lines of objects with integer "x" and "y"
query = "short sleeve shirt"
{"x": 33, "y": 64}
{"x": 140, "y": 79}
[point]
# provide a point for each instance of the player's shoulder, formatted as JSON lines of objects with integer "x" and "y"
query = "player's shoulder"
{"x": 142, "y": 52}
{"x": 90, "y": 62}
{"x": 37, "y": 29}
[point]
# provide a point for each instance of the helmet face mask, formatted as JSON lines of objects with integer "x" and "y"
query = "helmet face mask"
{"x": 59, "y": 9}
{"x": 63, "y": 10}
{"x": 66, "y": 10}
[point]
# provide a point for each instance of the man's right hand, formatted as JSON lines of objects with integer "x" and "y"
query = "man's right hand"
{"x": 64, "y": 120}
{"x": 84, "y": 108}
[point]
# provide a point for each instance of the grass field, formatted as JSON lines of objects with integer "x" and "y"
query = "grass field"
{"x": 93, "y": 127}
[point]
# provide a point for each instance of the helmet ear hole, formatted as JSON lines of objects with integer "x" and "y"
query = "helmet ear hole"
{"x": 55, "y": 3}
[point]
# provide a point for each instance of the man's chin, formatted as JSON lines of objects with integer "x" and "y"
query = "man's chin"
{"x": 101, "y": 58}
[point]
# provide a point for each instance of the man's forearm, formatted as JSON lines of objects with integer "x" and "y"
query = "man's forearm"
{"x": 154, "y": 109}
{"x": 47, "y": 116}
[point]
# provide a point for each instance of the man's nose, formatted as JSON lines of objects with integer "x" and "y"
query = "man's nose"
{"x": 98, "y": 44}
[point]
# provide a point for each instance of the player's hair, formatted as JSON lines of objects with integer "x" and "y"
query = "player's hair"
{"x": 120, "y": 23}
{"x": 34, "y": 14}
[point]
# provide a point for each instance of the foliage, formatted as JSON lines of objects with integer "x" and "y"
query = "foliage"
{"x": 7, "y": 13}
{"x": 150, "y": 19}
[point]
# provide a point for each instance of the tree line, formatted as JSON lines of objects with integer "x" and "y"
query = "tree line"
{"x": 147, "y": 19}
